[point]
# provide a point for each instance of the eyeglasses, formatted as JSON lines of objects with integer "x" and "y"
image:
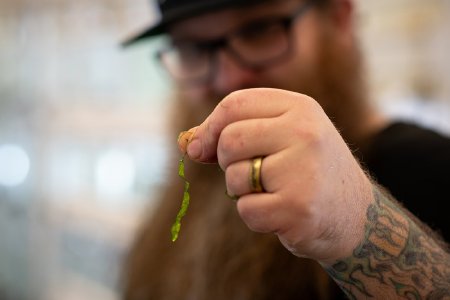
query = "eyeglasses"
{"x": 255, "y": 45}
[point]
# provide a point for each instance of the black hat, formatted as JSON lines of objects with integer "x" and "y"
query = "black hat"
{"x": 175, "y": 10}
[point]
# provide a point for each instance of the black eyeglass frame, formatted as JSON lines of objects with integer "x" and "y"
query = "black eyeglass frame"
{"x": 213, "y": 46}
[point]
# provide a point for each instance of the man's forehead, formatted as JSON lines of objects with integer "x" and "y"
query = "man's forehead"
{"x": 219, "y": 22}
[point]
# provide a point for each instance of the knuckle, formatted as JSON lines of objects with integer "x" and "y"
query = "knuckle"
{"x": 310, "y": 103}
{"x": 256, "y": 219}
{"x": 232, "y": 178}
{"x": 213, "y": 127}
{"x": 230, "y": 140}
{"x": 234, "y": 96}
{"x": 314, "y": 133}
{"x": 309, "y": 135}
{"x": 234, "y": 101}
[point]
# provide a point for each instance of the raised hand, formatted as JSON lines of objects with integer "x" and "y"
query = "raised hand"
{"x": 315, "y": 193}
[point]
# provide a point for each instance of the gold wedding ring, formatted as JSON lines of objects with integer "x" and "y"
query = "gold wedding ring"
{"x": 255, "y": 176}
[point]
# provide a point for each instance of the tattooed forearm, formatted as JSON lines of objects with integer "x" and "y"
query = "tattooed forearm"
{"x": 396, "y": 258}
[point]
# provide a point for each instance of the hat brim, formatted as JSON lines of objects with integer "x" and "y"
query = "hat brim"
{"x": 149, "y": 32}
{"x": 186, "y": 11}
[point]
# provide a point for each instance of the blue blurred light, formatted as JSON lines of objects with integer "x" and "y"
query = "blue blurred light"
{"x": 14, "y": 165}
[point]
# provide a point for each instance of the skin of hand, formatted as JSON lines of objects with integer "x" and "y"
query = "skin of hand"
{"x": 316, "y": 194}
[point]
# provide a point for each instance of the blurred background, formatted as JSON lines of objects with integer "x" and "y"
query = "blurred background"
{"x": 83, "y": 128}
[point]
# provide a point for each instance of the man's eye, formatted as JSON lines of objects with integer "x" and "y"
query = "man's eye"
{"x": 191, "y": 51}
{"x": 257, "y": 30}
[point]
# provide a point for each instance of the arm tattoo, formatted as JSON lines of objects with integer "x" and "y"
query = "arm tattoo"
{"x": 396, "y": 259}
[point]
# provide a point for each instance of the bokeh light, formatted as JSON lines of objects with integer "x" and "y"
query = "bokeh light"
{"x": 14, "y": 165}
{"x": 115, "y": 173}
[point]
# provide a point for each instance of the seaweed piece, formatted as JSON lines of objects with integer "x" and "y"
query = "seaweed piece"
{"x": 184, "y": 204}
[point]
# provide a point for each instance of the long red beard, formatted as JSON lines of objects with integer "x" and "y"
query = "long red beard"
{"x": 216, "y": 256}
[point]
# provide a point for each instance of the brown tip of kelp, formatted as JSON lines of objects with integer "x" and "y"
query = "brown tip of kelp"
{"x": 184, "y": 138}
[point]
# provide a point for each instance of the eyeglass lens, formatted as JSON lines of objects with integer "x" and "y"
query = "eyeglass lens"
{"x": 259, "y": 44}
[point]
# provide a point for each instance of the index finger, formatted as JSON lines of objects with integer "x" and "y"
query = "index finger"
{"x": 240, "y": 105}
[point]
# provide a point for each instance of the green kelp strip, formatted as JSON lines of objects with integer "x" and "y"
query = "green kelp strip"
{"x": 184, "y": 205}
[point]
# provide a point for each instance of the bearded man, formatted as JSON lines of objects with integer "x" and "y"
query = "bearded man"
{"x": 277, "y": 90}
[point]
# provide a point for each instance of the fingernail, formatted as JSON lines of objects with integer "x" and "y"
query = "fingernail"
{"x": 194, "y": 149}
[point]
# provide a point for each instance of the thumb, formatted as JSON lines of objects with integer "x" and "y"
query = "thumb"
{"x": 190, "y": 143}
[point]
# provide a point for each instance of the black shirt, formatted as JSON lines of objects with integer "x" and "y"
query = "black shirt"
{"x": 413, "y": 163}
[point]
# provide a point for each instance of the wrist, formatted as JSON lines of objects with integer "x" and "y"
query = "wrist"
{"x": 350, "y": 231}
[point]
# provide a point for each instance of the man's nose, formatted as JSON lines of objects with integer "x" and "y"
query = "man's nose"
{"x": 230, "y": 75}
